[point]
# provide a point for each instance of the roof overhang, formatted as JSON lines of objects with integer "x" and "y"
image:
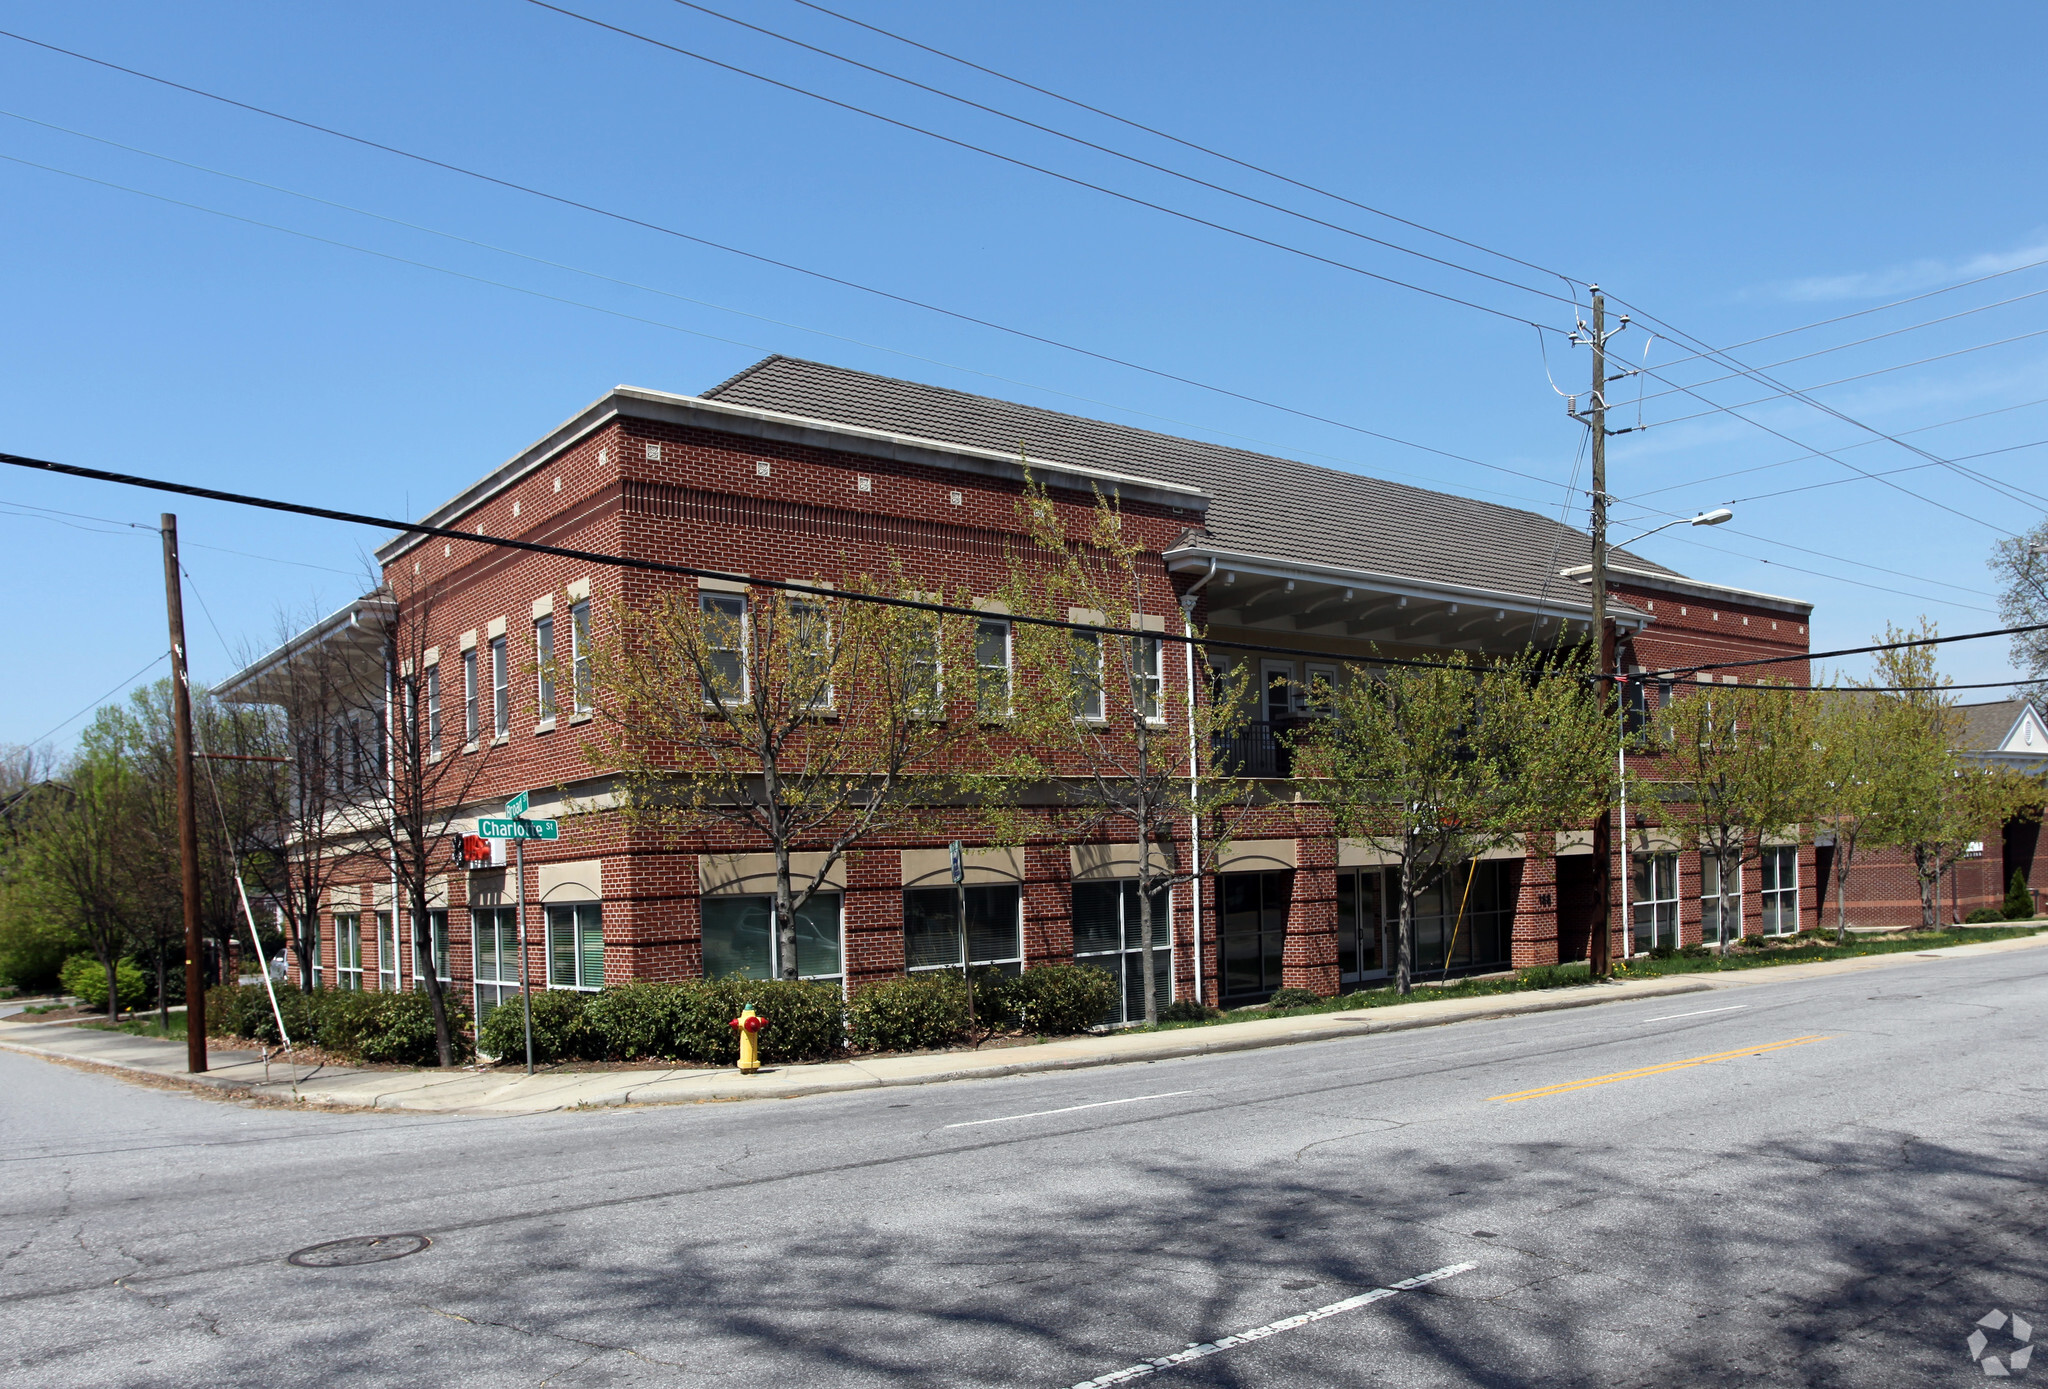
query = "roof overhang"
{"x": 634, "y": 402}
{"x": 1568, "y": 604}
{"x": 1692, "y": 588}
{"x": 351, "y": 636}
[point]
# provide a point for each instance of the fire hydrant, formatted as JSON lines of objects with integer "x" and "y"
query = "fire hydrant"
{"x": 750, "y": 1024}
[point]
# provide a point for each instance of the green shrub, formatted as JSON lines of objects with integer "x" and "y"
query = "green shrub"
{"x": 997, "y": 1002}
{"x": 916, "y": 1012}
{"x": 399, "y": 1030}
{"x": 559, "y": 1030}
{"x": 1983, "y": 916}
{"x": 630, "y": 1021}
{"x": 1284, "y": 999}
{"x": 1054, "y": 999}
{"x": 1696, "y": 952}
{"x": 1662, "y": 952}
{"x": 86, "y": 978}
{"x": 1187, "y": 1010}
{"x": 803, "y": 1022}
{"x": 2019, "y": 903}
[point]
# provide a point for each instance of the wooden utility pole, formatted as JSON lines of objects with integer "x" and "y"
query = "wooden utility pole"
{"x": 188, "y": 815}
{"x": 1602, "y": 944}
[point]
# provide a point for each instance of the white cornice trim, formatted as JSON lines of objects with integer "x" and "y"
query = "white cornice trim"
{"x": 1691, "y": 588}
{"x": 636, "y": 402}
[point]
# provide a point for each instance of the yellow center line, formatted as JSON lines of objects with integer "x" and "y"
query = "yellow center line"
{"x": 1567, "y": 1086}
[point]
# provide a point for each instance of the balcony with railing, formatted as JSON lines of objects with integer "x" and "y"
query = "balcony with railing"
{"x": 1263, "y": 749}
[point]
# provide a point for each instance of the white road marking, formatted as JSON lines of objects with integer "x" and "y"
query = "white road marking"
{"x": 1699, "y": 1014}
{"x": 1011, "y": 1118}
{"x": 1272, "y": 1328}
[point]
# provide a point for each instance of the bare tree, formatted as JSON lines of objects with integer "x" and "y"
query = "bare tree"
{"x": 408, "y": 783}
{"x": 804, "y": 722}
{"x": 1098, "y": 719}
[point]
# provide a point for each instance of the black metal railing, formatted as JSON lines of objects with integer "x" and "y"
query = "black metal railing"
{"x": 1255, "y": 749}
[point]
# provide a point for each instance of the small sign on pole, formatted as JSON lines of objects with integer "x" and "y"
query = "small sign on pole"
{"x": 959, "y": 864}
{"x": 517, "y": 805}
{"x": 519, "y": 829}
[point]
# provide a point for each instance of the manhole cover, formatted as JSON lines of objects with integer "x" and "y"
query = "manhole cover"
{"x": 361, "y": 1249}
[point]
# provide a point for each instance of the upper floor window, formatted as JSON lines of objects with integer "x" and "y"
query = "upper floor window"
{"x": 469, "y": 695}
{"x": 501, "y": 689}
{"x": 810, "y": 652}
{"x": 1148, "y": 685}
{"x": 579, "y": 654}
{"x": 544, "y": 658}
{"x": 992, "y": 667}
{"x": 1087, "y": 670}
{"x": 725, "y": 645}
{"x": 924, "y": 691}
{"x": 433, "y": 711}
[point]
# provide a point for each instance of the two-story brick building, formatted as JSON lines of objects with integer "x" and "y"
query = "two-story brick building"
{"x": 796, "y": 471}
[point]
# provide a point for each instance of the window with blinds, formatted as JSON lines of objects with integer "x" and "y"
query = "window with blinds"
{"x": 576, "y": 946}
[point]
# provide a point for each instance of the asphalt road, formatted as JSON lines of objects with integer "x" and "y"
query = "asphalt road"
{"x": 1836, "y": 1211}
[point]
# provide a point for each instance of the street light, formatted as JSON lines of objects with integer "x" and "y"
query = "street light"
{"x": 1720, "y": 515}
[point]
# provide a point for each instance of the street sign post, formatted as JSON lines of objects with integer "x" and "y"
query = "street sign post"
{"x": 519, "y": 829}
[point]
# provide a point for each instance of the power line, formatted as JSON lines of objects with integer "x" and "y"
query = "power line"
{"x": 161, "y": 655}
{"x": 883, "y": 600}
{"x": 1864, "y": 650}
{"x": 1099, "y": 148}
{"x": 1846, "y": 448}
{"x": 422, "y": 528}
{"x": 822, "y": 276}
{"x": 1909, "y": 468}
{"x": 636, "y": 318}
{"x": 1861, "y": 342}
{"x": 1103, "y": 189}
{"x": 1188, "y": 144}
{"x": 726, "y": 308}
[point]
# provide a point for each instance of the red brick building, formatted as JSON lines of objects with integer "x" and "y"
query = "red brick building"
{"x": 794, "y": 470}
{"x": 1883, "y": 889}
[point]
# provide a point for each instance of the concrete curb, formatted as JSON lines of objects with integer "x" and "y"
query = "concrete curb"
{"x": 424, "y": 1091}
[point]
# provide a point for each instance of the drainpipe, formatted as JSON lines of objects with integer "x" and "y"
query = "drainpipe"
{"x": 1187, "y": 627}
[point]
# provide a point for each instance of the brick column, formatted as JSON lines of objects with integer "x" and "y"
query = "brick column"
{"x": 1309, "y": 960}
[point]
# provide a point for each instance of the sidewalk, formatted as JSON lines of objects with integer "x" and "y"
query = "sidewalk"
{"x": 243, "y": 1075}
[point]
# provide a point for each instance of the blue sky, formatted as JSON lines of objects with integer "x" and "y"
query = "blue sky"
{"x": 1735, "y": 170}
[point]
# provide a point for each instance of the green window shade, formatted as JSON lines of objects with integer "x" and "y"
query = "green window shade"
{"x": 590, "y": 930}
{"x": 562, "y": 947}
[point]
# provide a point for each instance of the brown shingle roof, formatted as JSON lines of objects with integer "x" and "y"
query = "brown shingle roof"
{"x": 1264, "y": 505}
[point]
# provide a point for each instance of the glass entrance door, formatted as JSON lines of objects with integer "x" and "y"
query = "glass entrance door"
{"x": 1254, "y": 933}
{"x": 1361, "y": 925}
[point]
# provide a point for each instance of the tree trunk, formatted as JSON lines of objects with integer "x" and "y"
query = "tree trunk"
{"x": 1145, "y": 926}
{"x": 1721, "y": 903}
{"x": 113, "y": 987}
{"x": 785, "y": 919}
{"x": 1930, "y": 887}
{"x": 1404, "y": 936}
{"x": 424, "y": 968}
{"x": 1843, "y": 852}
{"x": 163, "y": 1004}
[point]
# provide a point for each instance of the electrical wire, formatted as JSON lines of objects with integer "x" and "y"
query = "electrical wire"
{"x": 1077, "y": 182}
{"x": 744, "y": 313}
{"x": 1188, "y": 144}
{"x": 1909, "y": 468}
{"x": 882, "y": 600}
{"x": 421, "y": 528}
{"x": 1861, "y": 342}
{"x": 1103, "y": 149}
{"x": 1867, "y": 443}
{"x": 161, "y": 655}
{"x": 1862, "y": 650}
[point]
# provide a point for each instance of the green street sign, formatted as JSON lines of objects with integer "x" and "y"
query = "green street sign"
{"x": 517, "y": 805}
{"x": 519, "y": 829}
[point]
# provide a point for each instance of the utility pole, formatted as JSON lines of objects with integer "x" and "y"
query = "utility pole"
{"x": 188, "y": 816}
{"x": 1602, "y": 944}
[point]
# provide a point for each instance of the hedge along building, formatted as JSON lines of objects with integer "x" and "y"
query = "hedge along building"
{"x": 797, "y": 471}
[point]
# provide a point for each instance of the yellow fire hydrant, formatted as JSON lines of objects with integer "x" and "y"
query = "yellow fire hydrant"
{"x": 750, "y": 1024}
